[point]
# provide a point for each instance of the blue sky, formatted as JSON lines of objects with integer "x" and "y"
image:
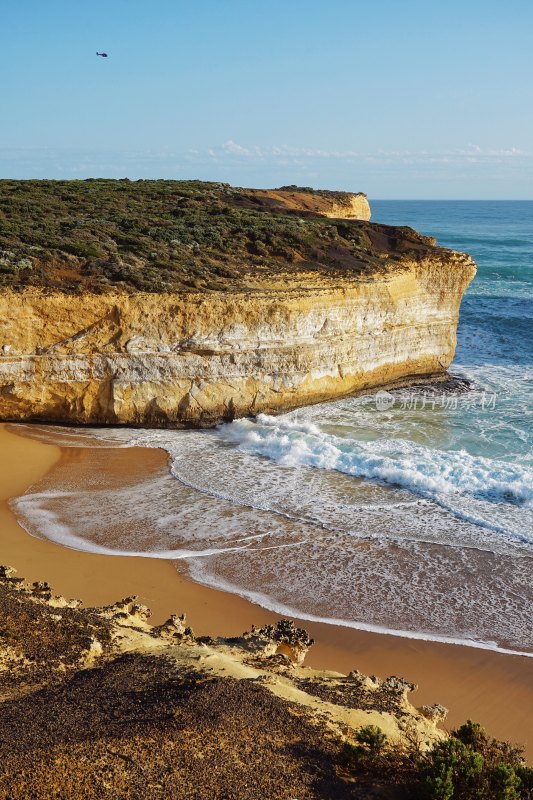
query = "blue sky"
{"x": 399, "y": 99}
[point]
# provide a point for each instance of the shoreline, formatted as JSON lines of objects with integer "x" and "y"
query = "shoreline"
{"x": 492, "y": 688}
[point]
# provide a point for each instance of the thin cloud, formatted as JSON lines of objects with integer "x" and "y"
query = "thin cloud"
{"x": 280, "y": 151}
{"x": 503, "y": 171}
{"x": 471, "y": 153}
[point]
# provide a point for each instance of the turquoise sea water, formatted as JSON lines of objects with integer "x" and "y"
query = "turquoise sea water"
{"x": 413, "y": 515}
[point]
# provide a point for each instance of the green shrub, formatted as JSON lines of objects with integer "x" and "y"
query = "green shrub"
{"x": 526, "y": 779}
{"x": 469, "y": 765}
{"x": 370, "y": 744}
{"x": 453, "y": 767}
{"x": 372, "y": 739}
{"x": 473, "y": 735}
{"x": 504, "y": 783}
{"x": 82, "y": 249}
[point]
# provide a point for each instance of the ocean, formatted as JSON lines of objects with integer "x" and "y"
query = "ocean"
{"x": 408, "y": 512}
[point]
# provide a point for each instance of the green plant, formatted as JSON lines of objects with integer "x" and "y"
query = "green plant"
{"x": 473, "y": 735}
{"x": 76, "y": 232}
{"x": 372, "y": 739}
{"x": 504, "y": 782}
{"x": 453, "y": 765}
{"x": 370, "y": 744}
{"x": 526, "y": 780}
{"x": 469, "y": 765}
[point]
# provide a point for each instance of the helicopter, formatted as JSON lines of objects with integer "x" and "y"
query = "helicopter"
{"x": 104, "y": 55}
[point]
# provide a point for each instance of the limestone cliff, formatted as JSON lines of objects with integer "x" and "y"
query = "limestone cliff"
{"x": 353, "y": 306}
{"x": 197, "y": 359}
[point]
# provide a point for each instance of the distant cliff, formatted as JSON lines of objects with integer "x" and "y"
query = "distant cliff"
{"x": 249, "y": 301}
{"x": 338, "y": 205}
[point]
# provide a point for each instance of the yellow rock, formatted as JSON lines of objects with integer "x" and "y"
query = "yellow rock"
{"x": 197, "y": 358}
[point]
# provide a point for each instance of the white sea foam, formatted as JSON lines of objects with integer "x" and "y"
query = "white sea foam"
{"x": 415, "y": 522}
{"x": 325, "y": 499}
{"x": 34, "y": 515}
{"x": 201, "y": 576}
{"x": 295, "y": 568}
{"x": 440, "y": 476}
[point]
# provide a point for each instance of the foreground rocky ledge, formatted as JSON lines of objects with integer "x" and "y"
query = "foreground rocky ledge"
{"x": 230, "y": 302}
{"x": 99, "y": 703}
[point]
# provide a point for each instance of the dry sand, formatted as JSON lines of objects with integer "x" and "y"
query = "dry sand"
{"x": 494, "y": 689}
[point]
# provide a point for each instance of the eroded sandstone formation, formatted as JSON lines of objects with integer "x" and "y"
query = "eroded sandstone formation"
{"x": 337, "y": 205}
{"x": 197, "y": 359}
{"x": 296, "y": 308}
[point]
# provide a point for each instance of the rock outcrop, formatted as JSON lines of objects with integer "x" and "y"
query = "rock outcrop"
{"x": 97, "y": 703}
{"x": 350, "y": 305}
{"x": 197, "y": 359}
{"x": 284, "y": 638}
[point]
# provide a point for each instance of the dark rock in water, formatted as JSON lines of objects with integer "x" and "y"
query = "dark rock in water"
{"x": 448, "y": 385}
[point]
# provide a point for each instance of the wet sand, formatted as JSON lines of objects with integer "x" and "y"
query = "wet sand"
{"x": 491, "y": 688}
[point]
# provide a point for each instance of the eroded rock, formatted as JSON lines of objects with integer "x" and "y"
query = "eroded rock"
{"x": 435, "y": 713}
{"x": 393, "y": 685}
{"x": 175, "y": 628}
{"x": 141, "y": 611}
{"x": 6, "y": 572}
{"x": 280, "y": 342}
{"x": 283, "y": 638}
{"x": 398, "y": 686}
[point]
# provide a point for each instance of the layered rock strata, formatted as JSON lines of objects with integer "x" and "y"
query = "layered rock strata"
{"x": 199, "y": 358}
{"x": 169, "y": 303}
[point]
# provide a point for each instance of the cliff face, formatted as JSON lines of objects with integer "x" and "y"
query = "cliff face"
{"x": 199, "y": 358}
{"x": 187, "y": 303}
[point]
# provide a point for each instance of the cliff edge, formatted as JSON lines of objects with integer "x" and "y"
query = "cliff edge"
{"x": 185, "y": 303}
{"x": 98, "y": 703}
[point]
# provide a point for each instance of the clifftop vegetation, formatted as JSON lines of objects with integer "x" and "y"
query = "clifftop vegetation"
{"x": 161, "y": 236}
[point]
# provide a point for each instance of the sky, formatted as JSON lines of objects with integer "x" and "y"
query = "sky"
{"x": 414, "y": 100}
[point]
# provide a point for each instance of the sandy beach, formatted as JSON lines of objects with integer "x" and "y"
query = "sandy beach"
{"x": 494, "y": 689}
